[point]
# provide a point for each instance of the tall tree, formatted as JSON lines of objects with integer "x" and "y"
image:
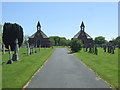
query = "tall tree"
{"x": 99, "y": 40}
{"x": 59, "y": 41}
{"x": 56, "y": 40}
{"x": 0, "y": 34}
{"x": 63, "y": 41}
{"x": 117, "y": 41}
{"x": 25, "y": 41}
{"x": 11, "y": 32}
{"x": 52, "y": 42}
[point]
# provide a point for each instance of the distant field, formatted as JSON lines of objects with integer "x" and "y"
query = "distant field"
{"x": 104, "y": 64}
{"x": 16, "y": 75}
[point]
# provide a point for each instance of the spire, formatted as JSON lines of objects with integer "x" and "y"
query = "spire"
{"x": 82, "y": 26}
{"x": 38, "y": 26}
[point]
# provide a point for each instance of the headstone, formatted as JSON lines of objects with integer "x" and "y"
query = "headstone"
{"x": 15, "y": 55}
{"x": 112, "y": 49}
{"x": 104, "y": 47}
{"x": 108, "y": 49}
{"x": 32, "y": 50}
{"x": 93, "y": 50}
{"x": 28, "y": 49}
{"x": 90, "y": 50}
{"x": 35, "y": 48}
{"x": 9, "y": 52}
{"x": 3, "y": 49}
{"x": 96, "y": 50}
{"x": 86, "y": 49}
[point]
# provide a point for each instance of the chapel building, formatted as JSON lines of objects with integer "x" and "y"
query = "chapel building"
{"x": 84, "y": 37}
{"x": 39, "y": 38}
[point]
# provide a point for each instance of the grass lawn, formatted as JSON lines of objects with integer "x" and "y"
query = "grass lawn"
{"x": 0, "y": 70}
{"x": 104, "y": 64}
{"x": 16, "y": 75}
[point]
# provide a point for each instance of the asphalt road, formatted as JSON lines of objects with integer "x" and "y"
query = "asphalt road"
{"x": 63, "y": 70}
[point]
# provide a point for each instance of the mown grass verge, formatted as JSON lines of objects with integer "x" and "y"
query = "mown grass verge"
{"x": 104, "y": 64}
{"x": 16, "y": 75}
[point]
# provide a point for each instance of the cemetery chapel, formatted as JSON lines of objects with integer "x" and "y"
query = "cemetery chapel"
{"x": 84, "y": 37}
{"x": 39, "y": 38}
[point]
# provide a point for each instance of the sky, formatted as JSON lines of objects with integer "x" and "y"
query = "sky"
{"x": 64, "y": 18}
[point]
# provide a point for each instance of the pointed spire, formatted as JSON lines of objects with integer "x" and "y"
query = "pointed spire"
{"x": 82, "y": 26}
{"x": 38, "y": 26}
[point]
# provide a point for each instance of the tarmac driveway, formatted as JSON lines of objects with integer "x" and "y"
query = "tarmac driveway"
{"x": 63, "y": 70}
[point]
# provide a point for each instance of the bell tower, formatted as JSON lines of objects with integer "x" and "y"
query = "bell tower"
{"x": 38, "y": 26}
{"x": 82, "y": 26}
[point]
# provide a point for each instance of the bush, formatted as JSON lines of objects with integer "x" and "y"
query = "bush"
{"x": 75, "y": 45}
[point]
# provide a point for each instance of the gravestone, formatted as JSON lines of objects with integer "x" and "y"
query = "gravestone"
{"x": 112, "y": 49}
{"x": 36, "y": 49}
{"x": 104, "y": 47}
{"x": 9, "y": 52}
{"x": 15, "y": 55}
{"x": 90, "y": 50}
{"x": 3, "y": 49}
{"x": 108, "y": 49}
{"x": 39, "y": 47}
{"x": 86, "y": 49}
{"x": 96, "y": 50}
{"x": 28, "y": 49}
{"x": 32, "y": 50}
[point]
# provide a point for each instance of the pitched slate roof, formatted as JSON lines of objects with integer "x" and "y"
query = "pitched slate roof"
{"x": 77, "y": 35}
{"x": 43, "y": 34}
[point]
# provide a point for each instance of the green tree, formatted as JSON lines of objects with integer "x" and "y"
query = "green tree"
{"x": 63, "y": 41}
{"x": 117, "y": 41}
{"x": 25, "y": 41}
{"x": 75, "y": 45}
{"x": 52, "y": 42}
{"x": 11, "y": 32}
{"x": 68, "y": 42}
{"x": 100, "y": 40}
{"x": 56, "y": 40}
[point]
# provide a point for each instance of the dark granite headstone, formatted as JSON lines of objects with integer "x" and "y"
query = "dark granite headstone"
{"x": 10, "y": 60}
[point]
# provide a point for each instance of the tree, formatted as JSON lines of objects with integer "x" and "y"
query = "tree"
{"x": 52, "y": 42}
{"x": 63, "y": 41}
{"x": 0, "y": 34}
{"x": 99, "y": 40}
{"x": 59, "y": 41}
{"x": 75, "y": 45}
{"x": 25, "y": 41}
{"x": 56, "y": 40}
{"x": 68, "y": 42}
{"x": 117, "y": 41}
{"x": 11, "y": 32}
